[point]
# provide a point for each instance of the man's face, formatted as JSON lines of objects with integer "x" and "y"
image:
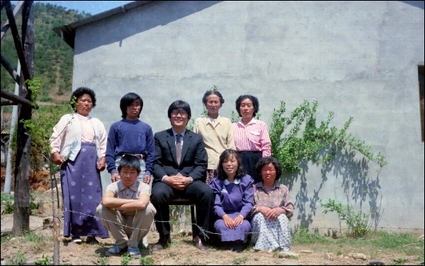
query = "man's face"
{"x": 133, "y": 110}
{"x": 179, "y": 118}
{"x": 128, "y": 176}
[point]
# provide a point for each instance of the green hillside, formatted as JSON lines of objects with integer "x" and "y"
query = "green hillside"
{"x": 53, "y": 59}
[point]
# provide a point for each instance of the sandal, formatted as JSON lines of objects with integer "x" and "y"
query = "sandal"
{"x": 114, "y": 250}
{"x": 76, "y": 239}
{"x": 134, "y": 251}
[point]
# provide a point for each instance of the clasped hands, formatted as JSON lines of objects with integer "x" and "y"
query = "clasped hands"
{"x": 232, "y": 223}
{"x": 271, "y": 213}
{"x": 178, "y": 181}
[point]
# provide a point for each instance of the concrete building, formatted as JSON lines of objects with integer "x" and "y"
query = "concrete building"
{"x": 359, "y": 59}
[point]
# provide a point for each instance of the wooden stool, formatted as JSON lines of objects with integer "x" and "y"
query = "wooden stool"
{"x": 180, "y": 201}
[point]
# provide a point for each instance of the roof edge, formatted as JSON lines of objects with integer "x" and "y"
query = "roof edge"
{"x": 67, "y": 32}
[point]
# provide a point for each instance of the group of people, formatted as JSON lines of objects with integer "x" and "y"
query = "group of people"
{"x": 225, "y": 168}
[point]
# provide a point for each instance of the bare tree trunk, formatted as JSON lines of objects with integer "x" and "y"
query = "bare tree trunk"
{"x": 21, "y": 211}
{"x": 23, "y": 157}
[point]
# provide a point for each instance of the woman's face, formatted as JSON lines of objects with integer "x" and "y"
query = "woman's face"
{"x": 268, "y": 173}
{"x": 246, "y": 108}
{"x": 213, "y": 104}
{"x": 230, "y": 165}
{"x": 84, "y": 105}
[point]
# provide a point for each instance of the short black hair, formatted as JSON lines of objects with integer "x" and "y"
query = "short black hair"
{"x": 209, "y": 92}
{"x": 127, "y": 100}
{"x": 267, "y": 160}
{"x": 80, "y": 92}
{"x": 254, "y": 100}
{"x": 225, "y": 154}
{"x": 129, "y": 161}
{"x": 179, "y": 104}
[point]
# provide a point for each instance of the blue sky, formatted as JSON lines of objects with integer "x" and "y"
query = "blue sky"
{"x": 92, "y": 7}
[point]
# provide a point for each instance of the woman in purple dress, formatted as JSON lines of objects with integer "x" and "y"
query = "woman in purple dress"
{"x": 78, "y": 145}
{"x": 234, "y": 199}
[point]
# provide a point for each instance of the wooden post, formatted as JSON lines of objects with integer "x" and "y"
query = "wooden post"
{"x": 56, "y": 219}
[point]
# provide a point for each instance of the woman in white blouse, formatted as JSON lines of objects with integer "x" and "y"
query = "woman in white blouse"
{"x": 78, "y": 145}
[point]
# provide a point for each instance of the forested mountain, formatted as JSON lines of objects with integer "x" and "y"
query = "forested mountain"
{"x": 53, "y": 59}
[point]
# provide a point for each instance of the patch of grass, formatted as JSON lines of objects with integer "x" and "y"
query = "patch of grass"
{"x": 302, "y": 237}
{"x": 146, "y": 261}
{"x": 36, "y": 238}
{"x": 17, "y": 259}
{"x": 125, "y": 259}
{"x": 104, "y": 261}
{"x": 399, "y": 261}
{"x": 238, "y": 261}
{"x": 45, "y": 260}
{"x": 375, "y": 243}
{"x": 396, "y": 241}
{"x": 5, "y": 238}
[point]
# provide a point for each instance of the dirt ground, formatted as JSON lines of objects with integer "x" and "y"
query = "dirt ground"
{"x": 181, "y": 252}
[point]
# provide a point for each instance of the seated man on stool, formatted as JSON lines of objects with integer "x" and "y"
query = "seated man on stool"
{"x": 125, "y": 208}
{"x": 179, "y": 172}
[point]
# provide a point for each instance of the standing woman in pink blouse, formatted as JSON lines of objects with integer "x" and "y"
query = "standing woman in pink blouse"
{"x": 78, "y": 145}
{"x": 251, "y": 135}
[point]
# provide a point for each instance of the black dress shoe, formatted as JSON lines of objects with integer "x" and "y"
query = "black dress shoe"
{"x": 199, "y": 243}
{"x": 163, "y": 242}
{"x": 237, "y": 246}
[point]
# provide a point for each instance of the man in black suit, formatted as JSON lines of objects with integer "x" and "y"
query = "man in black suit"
{"x": 184, "y": 179}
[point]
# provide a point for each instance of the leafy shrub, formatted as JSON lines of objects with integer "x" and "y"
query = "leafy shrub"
{"x": 298, "y": 137}
{"x": 8, "y": 200}
{"x": 357, "y": 222}
{"x": 18, "y": 259}
{"x": 45, "y": 260}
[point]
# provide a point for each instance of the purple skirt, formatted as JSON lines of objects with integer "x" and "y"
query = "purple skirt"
{"x": 81, "y": 193}
{"x": 238, "y": 233}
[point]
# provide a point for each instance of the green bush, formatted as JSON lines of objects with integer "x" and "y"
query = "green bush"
{"x": 41, "y": 128}
{"x": 45, "y": 260}
{"x": 18, "y": 259}
{"x": 300, "y": 136}
{"x": 8, "y": 200}
{"x": 357, "y": 222}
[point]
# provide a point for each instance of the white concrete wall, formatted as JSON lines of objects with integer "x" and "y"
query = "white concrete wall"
{"x": 357, "y": 59}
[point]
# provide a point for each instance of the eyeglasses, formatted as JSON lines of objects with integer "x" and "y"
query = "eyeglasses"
{"x": 177, "y": 111}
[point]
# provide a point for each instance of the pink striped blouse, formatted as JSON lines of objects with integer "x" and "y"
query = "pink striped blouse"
{"x": 252, "y": 137}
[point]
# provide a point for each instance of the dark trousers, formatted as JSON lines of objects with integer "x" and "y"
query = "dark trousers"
{"x": 198, "y": 192}
{"x": 249, "y": 159}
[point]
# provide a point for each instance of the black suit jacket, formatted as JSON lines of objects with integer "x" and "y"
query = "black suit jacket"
{"x": 194, "y": 158}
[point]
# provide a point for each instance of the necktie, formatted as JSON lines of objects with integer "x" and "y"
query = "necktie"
{"x": 179, "y": 148}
